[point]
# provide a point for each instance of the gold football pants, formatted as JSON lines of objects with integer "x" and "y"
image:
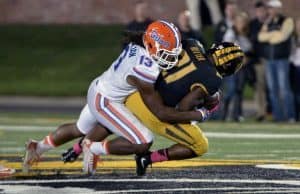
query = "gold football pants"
{"x": 185, "y": 134}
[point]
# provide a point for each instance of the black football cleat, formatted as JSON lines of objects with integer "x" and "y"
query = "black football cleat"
{"x": 142, "y": 162}
{"x": 69, "y": 156}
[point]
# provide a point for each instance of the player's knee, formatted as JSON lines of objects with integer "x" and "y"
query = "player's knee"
{"x": 147, "y": 138}
{"x": 143, "y": 143}
{"x": 142, "y": 148}
{"x": 68, "y": 129}
{"x": 75, "y": 131}
{"x": 200, "y": 147}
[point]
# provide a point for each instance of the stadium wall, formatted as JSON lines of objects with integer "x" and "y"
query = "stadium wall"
{"x": 99, "y": 11}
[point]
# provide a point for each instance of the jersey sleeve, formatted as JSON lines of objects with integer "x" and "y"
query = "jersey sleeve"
{"x": 145, "y": 69}
{"x": 147, "y": 74}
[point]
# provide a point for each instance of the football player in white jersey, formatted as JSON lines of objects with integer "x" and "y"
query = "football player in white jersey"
{"x": 136, "y": 69}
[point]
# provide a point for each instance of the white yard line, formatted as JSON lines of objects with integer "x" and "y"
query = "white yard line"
{"x": 252, "y": 189}
{"x": 208, "y": 134}
{"x": 26, "y": 128}
{"x": 278, "y": 166}
{"x": 13, "y": 189}
{"x": 293, "y": 190}
{"x": 254, "y": 135}
{"x": 180, "y": 180}
{"x": 11, "y": 149}
{"x": 8, "y": 143}
{"x": 249, "y": 155}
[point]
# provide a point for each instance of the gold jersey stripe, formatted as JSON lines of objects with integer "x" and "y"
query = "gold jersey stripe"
{"x": 199, "y": 85}
{"x": 181, "y": 73}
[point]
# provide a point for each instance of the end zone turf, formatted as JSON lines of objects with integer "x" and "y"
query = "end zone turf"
{"x": 242, "y": 158}
{"x": 52, "y": 165}
{"x": 202, "y": 179}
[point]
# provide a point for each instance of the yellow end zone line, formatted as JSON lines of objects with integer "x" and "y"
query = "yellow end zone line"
{"x": 199, "y": 160}
{"x": 117, "y": 164}
{"x": 58, "y": 165}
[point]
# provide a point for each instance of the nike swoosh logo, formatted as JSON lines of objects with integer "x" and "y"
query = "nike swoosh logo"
{"x": 142, "y": 161}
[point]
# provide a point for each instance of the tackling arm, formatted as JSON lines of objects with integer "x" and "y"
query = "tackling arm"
{"x": 154, "y": 102}
{"x": 199, "y": 97}
{"x": 192, "y": 99}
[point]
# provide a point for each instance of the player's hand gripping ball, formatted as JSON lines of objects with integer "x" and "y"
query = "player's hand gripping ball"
{"x": 211, "y": 103}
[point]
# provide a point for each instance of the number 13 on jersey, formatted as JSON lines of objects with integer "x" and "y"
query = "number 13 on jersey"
{"x": 145, "y": 61}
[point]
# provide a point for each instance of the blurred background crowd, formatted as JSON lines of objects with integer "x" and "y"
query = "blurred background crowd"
{"x": 268, "y": 31}
{"x": 270, "y": 41}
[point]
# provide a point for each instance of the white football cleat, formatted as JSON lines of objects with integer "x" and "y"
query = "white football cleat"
{"x": 90, "y": 160}
{"x": 6, "y": 172}
{"x": 31, "y": 156}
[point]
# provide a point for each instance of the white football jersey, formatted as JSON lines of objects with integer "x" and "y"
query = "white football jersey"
{"x": 134, "y": 60}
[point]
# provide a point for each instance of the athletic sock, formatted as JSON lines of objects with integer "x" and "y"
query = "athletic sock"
{"x": 45, "y": 145}
{"x": 159, "y": 156}
{"x": 77, "y": 148}
{"x": 99, "y": 148}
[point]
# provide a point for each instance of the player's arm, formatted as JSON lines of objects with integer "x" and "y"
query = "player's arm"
{"x": 199, "y": 97}
{"x": 155, "y": 104}
{"x": 192, "y": 99}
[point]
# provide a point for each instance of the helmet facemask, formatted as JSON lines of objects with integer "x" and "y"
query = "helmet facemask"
{"x": 167, "y": 59}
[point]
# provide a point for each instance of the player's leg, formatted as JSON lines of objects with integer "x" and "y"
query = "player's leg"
{"x": 116, "y": 146}
{"x": 190, "y": 140}
{"x": 64, "y": 133}
{"x": 110, "y": 121}
{"x": 120, "y": 121}
{"x": 98, "y": 133}
{"x": 190, "y": 136}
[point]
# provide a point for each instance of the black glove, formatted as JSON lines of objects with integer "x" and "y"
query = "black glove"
{"x": 69, "y": 156}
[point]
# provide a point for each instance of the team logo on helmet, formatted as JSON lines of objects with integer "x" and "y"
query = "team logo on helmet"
{"x": 155, "y": 36}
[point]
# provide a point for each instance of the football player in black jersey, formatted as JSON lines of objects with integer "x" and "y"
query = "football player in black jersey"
{"x": 197, "y": 76}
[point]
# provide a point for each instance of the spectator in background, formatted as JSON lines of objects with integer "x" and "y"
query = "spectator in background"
{"x": 140, "y": 22}
{"x": 295, "y": 73}
{"x": 277, "y": 33}
{"x": 142, "y": 19}
{"x": 227, "y": 23}
{"x": 239, "y": 34}
{"x": 185, "y": 28}
{"x": 257, "y": 61}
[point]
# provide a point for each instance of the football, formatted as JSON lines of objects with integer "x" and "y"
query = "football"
{"x": 211, "y": 101}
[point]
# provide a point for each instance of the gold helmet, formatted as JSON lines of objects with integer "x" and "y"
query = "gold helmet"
{"x": 228, "y": 57}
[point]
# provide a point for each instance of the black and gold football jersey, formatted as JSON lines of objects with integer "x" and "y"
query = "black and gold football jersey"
{"x": 193, "y": 69}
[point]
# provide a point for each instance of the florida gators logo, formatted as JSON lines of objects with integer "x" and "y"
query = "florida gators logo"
{"x": 155, "y": 36}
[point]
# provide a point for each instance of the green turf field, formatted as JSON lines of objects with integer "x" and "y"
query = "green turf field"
{"x": 229, "y": 141}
